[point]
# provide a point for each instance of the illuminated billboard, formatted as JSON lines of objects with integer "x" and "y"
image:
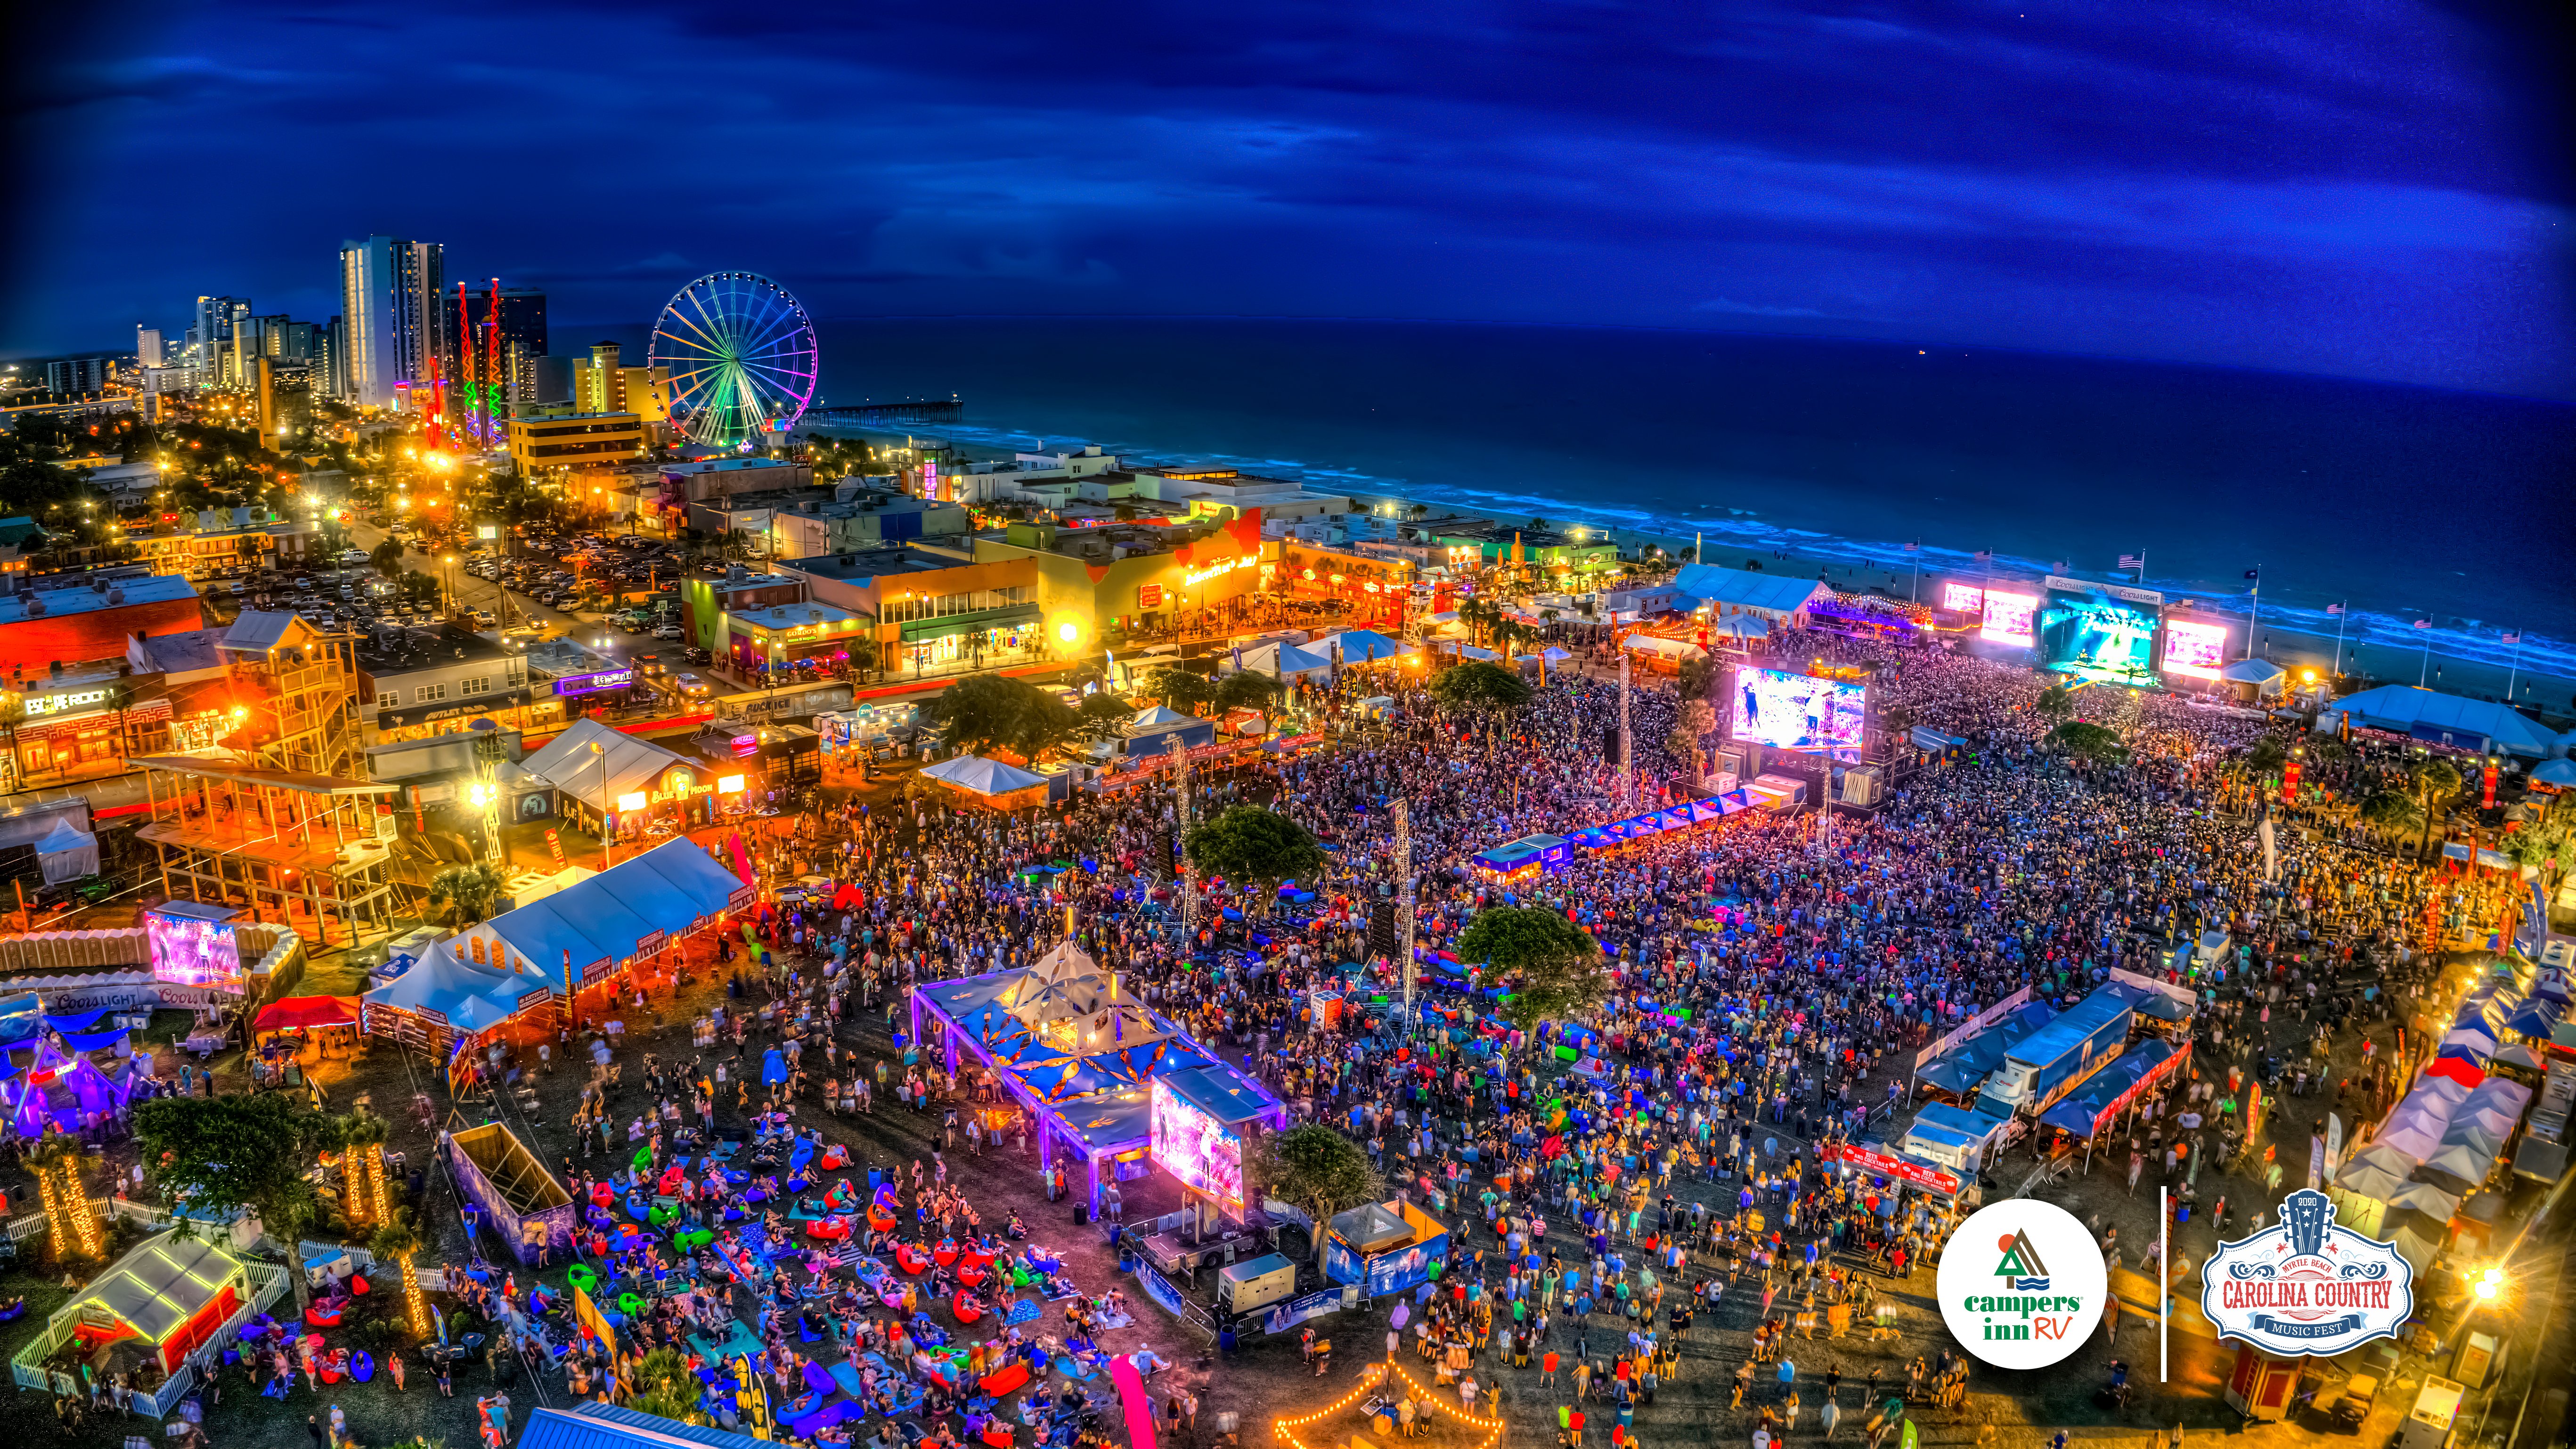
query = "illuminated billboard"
{"x": 2194, "y": 649}
{"x": 2102, "y": 632}
{"x": 189, "y": 949}
{"x": 2009, "y": 618}
{"x": 1203, "y": 1153}
{"x": 1796, "y": 712}
{"x": 1963, "y": 598}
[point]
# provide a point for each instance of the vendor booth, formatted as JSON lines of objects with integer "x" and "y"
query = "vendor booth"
{"x": 989, "y": 783}
{"x": 1084, "y": 1057}
{"x": 1384, "y": 1247}
{"x": 144, "y": 1316}
{"x": 1527, "y": 856}
{"x": 497, "y": 1171}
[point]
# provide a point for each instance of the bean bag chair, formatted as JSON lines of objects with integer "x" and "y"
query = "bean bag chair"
{"x": 890, "y": 1297}
{"x": 638, "y": 1209}
{"x": 664, "y": 1214}
{"x": 581, "y": 1276}
{"x": 320, "y": 1317}
{"x": 692, "y": 1238}
{"x": 643, "y": 1157}
{"x": 998, "y": 1434}
{"x": 361, "y": 1367}
{"x": 330, "y": 1373}
{"x": 829, "y": 1230}
{"x": 1007, "y": 1379}
{"x": 880, "y": 1220}
{"x": 834, "y": 1158}
{"x": 601, "y": 1194}
{"x": 628, "y": 1303}
{"x": 945, "y": 1255}
{"x": 13, "y": 1310}
{"x": 972, "y": 1276}
{"x": 964, "y": 1308}
{"x": 910, "y": 1260}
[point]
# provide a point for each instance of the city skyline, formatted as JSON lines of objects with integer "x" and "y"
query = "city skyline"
{"x": 2378, "y": 198}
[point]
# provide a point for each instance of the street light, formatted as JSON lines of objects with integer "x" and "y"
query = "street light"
{"x": 607, "y": 837}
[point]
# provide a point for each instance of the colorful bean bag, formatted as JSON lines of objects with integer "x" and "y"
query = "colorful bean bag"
{"x": 629, "y": 1304}
{"x": 1008, "y": 1379}
{"x": 830, "y": 1230}
{"x": 965, "y": 1309}
{"x": 638, "y": 1209}
{"x": 972, "y": 1276}
{"x": 664, "y": 1214}
{"x": 890, "y": 1297}
{"x": 879, "y": 1220}
{"x": 581, "y": 1276}
{"x": 910, "y": 1260}
{"x": 834, "y": 1158}
{"x": 945, "y": 1255}
{"x": 361, "y": 1367}
{"x": 330, "y": 1373}
{"x": 320, "y": 1317}
{"x": 689, "y": 1239}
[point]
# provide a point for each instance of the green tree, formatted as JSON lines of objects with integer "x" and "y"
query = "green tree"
{"x": 2056, "y": 702}
{"x": 987, "y": 711}
{"x": 1478, "y": 685}
{"x": 1180, "y": 687}
{"x": 1313, "y": 1167}
{"x": 387, "y": 558}
{"x": 2085, "y": 741}
{"x": 221, "y": 1153}
{"x": 1696, "y": 718}
{"x": 1554, "y": 968}
{"x": 2266, "y": 755}
{"x": 1697, "y": 678}
{"x": 2392, "y": 811}
{"x": 2433, "y": 783}
{"x": 2544, "y": 845}
{"x": 1244, "y": 690}
{"x": 663, "y": 1386}
{"x": 1254, "y": 847}
{"x": 466, "y": 892}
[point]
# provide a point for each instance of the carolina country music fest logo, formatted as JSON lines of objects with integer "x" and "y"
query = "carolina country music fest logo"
{"x": 2307, "y": 1286}
{"x": 2022, "y": 1284}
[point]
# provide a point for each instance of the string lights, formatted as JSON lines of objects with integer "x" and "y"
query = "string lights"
{"x": 412, "y": 1300}
{"x": 73, "y": 1227}
{"x": 1372, "y": 1376}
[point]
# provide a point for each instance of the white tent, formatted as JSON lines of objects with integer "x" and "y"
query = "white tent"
{"x": 982, "y": 776}
{"x": 67, "y": 852}
{"x": 1356, "y": 646}
{"x": 2418, "y": 1138}
{"x": 1286, "y": 662}
{"x": 1157, "y": 716}
{"x": 1741, "y": 626}
{"x": 1665, "y": 648}
{"x": 624, "y": 765}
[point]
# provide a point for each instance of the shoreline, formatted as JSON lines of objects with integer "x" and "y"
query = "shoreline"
{"x": 2280, "y": 638}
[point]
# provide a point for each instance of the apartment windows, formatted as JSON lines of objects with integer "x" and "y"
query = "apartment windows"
{"x": 940, "y": 606}
{"x": 475, "y": 686}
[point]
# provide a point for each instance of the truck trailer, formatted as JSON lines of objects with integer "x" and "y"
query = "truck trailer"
{"x": 2057, "y": 1058}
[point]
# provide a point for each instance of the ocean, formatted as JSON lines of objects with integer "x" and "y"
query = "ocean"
{"x": 2404, "y": 503}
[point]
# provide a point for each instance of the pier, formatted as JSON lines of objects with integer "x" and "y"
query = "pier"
{"x": 863, "y": 412}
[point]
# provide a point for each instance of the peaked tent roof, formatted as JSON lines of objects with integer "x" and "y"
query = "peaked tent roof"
{"x": 2401, "y": 707}
{"x": 983, "y": 776}
{"x": 1159, "y": 716}
{"x": 568, "y": 764}
{"x": 160, "y": 1285}
{"x": 1357, "y": 646}
{"x": 2253, "y": 671}
{"x": 613, "y": 1426}
{"x": 1746, "y": 589}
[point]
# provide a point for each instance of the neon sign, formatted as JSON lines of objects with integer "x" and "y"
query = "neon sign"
{"x": 1195, "y": 577}
{"x": 605, "y": 679}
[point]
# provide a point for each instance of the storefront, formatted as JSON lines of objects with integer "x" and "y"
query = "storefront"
{"x": 514, "y": 709}
{"x": 74, "y": 730}
{"x": 604, "y": 689}
{"x": 991, "y": 640}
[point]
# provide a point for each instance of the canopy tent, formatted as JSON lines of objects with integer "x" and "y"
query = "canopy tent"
{"x": 630, "y": 765}
{"x": 55, "y": 1090}
{"x": 174, "y": 1293}
{"x": 298, "y": 1012}
{"x": 1161, "y": 716}
{"x": 1959, "y": 1070}
{"x": 1732, "y": 591}
{"x": 2261, "y": 675}
{"x": 2110, "y": 1091}
{"x": 1663, "y": 648}
{"x": 2371, "y": 1180}
{"x": 67, "y": 852}
{"x": 2425, "y": 1198}
{"x": 487, "y": 973}
{"x": 2428, "y": 715}
{"x": 2560, "y": 772}
{"x": 2460, "y": 1065}
{"x": 1283, "y": 661}
{"x": 2461, "y": 1165}
{"x": 980, "y": 776}
{"x": 2415, "y": 1136}
{"x": 2535, "y": 1018}
{"x": 1078, "y": 1052}
{"x": 1740, "y": 626}
{"x": 1356, "y": 646}
{"x": 2498, "y": 1094}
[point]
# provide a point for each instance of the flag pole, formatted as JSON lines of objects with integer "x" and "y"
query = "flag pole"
{"x": 2343, "y": 611}
{"x": 2514, "y": 670}
{"x": 2425, "y": 668}
{"x": 2253, "y": 610}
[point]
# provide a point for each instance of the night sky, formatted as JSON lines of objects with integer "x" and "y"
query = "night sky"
{"x": 2368, "y": 188}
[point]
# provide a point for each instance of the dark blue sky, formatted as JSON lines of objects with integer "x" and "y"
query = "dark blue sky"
{"x": 2368, "y": 188}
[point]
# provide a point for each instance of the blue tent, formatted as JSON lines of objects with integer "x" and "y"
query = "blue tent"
{"x": 1962, "y": 1067}
{"x": 2080, "y": 1111}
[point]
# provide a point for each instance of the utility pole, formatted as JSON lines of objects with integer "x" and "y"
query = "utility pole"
{"x": 1627, "y": 743}
{"x": 1404, "y": 902}
{"x": 1181, "y": 838}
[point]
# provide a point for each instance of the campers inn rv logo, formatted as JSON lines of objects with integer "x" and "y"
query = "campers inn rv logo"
{"x": 2022, "y": 1284}
{"x": 2307, "y": 1286}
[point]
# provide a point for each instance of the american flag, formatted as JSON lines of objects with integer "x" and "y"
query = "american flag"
{"x": 1911, "y": 547}
{"x": 1985, "y": 555}
{"x": 2513, "y": 636}
{"x": 2058, "y": 567}
{"x": 2332, "y": 609}
{"x": 2423, "y": 623}
{"x": 2133, "y": 560}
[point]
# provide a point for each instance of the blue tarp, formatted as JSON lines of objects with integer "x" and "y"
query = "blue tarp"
{"x": 2077, "y": 1113}
{"x": 1962, "y": 1067}
{"x": 69, "y": 1024}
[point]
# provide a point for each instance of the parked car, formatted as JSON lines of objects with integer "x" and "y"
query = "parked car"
{"x": 669, "y": 631}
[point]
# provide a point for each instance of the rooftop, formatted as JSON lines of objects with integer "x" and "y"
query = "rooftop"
{"x": 122, "y": 593}
{"x": 392, "y": 651}
{"x": 783, "y": 617}
{"x": 861, "y": 567}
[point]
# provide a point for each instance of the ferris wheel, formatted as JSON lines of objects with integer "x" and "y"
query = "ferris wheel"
{"x": 741, "y": 355}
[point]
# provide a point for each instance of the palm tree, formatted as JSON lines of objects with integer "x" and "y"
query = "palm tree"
{"x": 397, "y": 1243}
{"x": 2434, "y": 782}
{"x": 467, "y": 891}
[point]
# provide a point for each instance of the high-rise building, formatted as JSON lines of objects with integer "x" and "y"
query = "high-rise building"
{"x": 214, "y": 327}
{"x": 331, "y": 365}
{"x": 398, "y": 329}
{"x": 147, "y": 346}
{"x": 79, "y": 376}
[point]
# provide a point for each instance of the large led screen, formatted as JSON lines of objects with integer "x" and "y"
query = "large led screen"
{"x": 2195, "y": 650}
{"x": 1203, "y": 1153}
{"x": 1795, "y": 712}
{"x": 1962, "y": 598}
{"x": 2096, "y": 635}
{"x": 2008, "y": 618}
{"x": 187, "y": 951}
